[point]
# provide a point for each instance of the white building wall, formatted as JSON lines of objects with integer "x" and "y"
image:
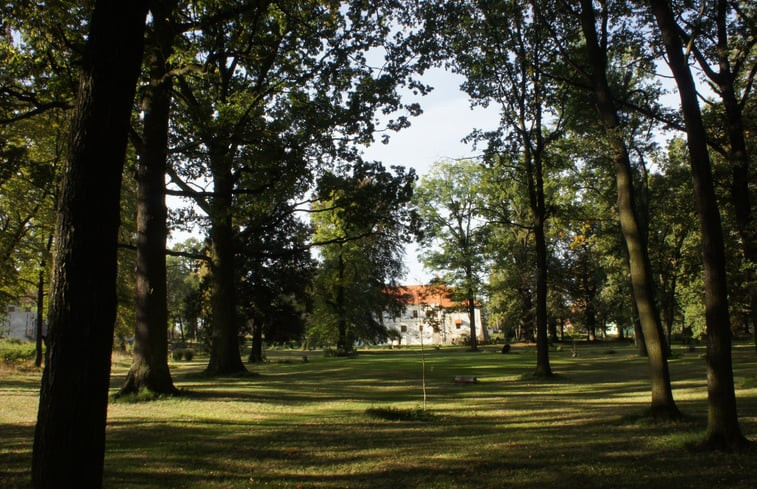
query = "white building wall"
{"x": 19, "y": 322}
{"x": 414, "y": 328}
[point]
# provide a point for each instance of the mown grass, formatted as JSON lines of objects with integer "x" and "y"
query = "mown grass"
{"x": 358, "y": 423}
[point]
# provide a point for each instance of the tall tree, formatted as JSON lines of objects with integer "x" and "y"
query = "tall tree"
{"x": 149, "y": 368}
{"x": 502, "y": 52}
{"x": 280, "y": 82}
{"x": 720, "y": 36}
{"x": 452, "y": 232}
{"x": 362, "y": 221}
{"x": 278, "y": 269}
{"x": 723, "y": 429}
{"x": 69, "y": 439}
{"x": 596, "y": 43}
{"x": 36, "y": 90}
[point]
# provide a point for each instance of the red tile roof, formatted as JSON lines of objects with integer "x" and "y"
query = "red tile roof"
{"x": 425, "y": 294}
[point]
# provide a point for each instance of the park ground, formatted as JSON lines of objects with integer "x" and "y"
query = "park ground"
{"x": 359, "y": 423}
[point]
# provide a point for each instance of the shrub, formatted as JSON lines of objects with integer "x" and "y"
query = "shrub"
{"x": 16, "y": 352}
{"x": 179, "y": 354}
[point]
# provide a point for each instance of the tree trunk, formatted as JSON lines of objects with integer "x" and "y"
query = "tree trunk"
{"x": 224, "y": 347}
{"x": 723, "y": 431}
{"x": 591, "y": 321}
{"x": 149, "y": 368}
{"x": 663, "y": 405}
{"x": 256, "y": 351}
{"x": 69, "y": 439}
{"x": 738, "y": 156}
{"x": 638, "y": 333}
{"x": 344, "y": 342}
{"x": 471, "y": 295}
{"x": 40, "y": 315}
{"x": 538, "y": 214}
{"x": 552, "y": 330}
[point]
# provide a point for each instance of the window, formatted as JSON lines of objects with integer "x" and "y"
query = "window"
{"x": 415, "y": 313}
{"x": 403, "y": 329}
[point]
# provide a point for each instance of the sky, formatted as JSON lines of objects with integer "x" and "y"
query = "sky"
{"x": 435, "y": 135}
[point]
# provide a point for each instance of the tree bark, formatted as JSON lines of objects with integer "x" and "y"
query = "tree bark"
{"x": 224, "y": 348}
{"x": 738, "y": 156}
{"x": 723, "y": 431}
{"x": 256, "y": 351}
{"x": 69, "y": 438}
{"x": 344, "y": 342}
{"x": 539, "y": 215}
{"x": 40, "y": 316}
{"x": 149, "y": 368}
{"x": 663, "y": 405}
{"x": 471, "y": 300}
{"x": 638, "y": 333}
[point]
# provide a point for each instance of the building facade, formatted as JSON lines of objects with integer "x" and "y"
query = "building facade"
{"x": 430, "y": 317}
{"x": 19, "y": 322}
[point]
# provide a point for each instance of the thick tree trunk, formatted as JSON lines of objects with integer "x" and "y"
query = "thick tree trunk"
{"x": 723, "y": 429}
{"x": 149, "y": 368}
{"x": 662, "y": 404}
{"x": 224, "y": 346}
{"x": 69, "y": 439}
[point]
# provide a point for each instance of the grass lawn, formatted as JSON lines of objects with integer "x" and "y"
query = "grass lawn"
{"x": 333, "y": 423}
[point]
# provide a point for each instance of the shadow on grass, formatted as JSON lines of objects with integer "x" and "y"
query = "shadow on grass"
{"x": 15, "y": 455}
{"x": 305, "y": 425}
{"x": 459, "y": 452}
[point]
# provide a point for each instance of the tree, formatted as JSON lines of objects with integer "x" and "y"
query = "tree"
{"x": 31, "y": 160}
{"x": 149, "y": 369}
{"x": 69, "y": 437}
{"x": 283, "y": 90}
{"x": 722, "y": 421}
{"x": 361, "y": 221}
{"x": 726, "y": 58}
{"x": 663, "y": 404}
{"x": 451, "y": 232}
{"x": 502, "y": 54}
{"x": 672, "y": 233}
{"x": 36, "y": 89}
{"x": 278, "y": 272}
{"x": 184, "y": 288}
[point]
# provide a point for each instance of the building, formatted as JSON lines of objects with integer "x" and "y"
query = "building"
{"x": 430, "y": 317}
{"x": 19, "y": 322}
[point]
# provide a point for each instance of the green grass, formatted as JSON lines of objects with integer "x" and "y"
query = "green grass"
{"x": 358, "y": 423}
